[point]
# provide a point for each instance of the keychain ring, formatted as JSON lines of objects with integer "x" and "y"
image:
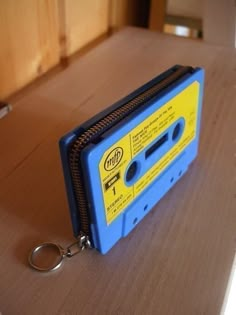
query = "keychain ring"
{"x": 38, "y": 249}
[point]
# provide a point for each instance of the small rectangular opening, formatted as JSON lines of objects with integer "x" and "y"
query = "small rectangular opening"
{"x": 156, "y": 145}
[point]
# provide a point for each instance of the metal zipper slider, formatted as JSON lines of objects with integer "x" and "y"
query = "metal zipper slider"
{"x": 49, "y": 256}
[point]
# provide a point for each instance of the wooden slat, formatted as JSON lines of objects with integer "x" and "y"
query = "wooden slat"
{"x": 189, "y": 22}
{"x": 157, "y": 15}
{"x": 84, "y": 21}
{"x": 29, "y": 41}
{"x": 122, "y": 13}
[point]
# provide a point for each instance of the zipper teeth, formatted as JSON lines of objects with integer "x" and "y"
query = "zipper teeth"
{"x": 96, "y": 130}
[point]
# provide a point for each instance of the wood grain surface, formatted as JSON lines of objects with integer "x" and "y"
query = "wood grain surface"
{"x": 178, "y": 259}
{"x": 36, "y": 34}
{"x": 29, "y": 42}
{"x": 83, "y": 21}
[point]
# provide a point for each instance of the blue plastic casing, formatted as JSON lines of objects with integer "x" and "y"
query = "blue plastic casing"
{"x": 105, "y": 235}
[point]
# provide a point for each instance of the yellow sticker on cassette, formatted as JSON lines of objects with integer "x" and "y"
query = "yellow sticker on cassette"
{"x": 117, "y": 194}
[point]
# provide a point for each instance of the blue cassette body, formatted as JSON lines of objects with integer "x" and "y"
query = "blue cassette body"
{"x": 120, "y": 163}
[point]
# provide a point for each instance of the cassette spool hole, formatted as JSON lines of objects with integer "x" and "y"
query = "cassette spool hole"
{"x": 132, "y": 171}
{"x": 176, "y": 132}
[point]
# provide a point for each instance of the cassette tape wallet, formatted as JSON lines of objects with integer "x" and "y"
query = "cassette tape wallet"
{"x": 121, "y": 162}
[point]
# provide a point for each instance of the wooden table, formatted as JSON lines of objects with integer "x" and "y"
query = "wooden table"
{"x": 178, "y": 260}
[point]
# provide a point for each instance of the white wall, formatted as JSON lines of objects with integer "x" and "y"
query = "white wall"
{"x": 219, "y": 22}
{"x": 219, "y": 18}
{"x": 189, "y": 8}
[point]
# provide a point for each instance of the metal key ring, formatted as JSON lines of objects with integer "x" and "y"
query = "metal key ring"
{"x": 59, "y": 255}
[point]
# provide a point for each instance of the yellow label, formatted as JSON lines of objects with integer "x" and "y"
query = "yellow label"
{"x": 117, "y": 195}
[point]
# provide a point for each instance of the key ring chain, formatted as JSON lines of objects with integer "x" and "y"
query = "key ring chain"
{"x": 58, "y": 254}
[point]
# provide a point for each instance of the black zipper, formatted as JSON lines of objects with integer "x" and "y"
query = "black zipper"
{"x": 97, "y": 129}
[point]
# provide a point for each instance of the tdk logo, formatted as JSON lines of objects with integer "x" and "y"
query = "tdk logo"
{"x": 113, "y": 159}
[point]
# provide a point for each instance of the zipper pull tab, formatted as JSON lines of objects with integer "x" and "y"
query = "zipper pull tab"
{"x": 82, "y": 243}
{"x": 49, "y": 256}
